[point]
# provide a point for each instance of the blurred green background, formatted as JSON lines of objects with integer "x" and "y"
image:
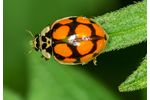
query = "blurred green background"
{"x": 34, "y": 15}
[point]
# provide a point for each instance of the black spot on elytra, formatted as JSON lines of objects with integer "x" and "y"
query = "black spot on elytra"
{"x": 75, "y": 53}
{"x": 59, "y": 57}
{"x": 93, "y": 48}
{"x": 56, "y": 26}
{"x": 92, "y": 29}
{"x": 72, "y": 25}
{"x": 73, "y": 18}
{"x": 105, "y": 37}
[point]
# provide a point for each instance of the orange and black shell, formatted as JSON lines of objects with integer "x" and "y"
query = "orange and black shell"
{"x": 77, "y": 40}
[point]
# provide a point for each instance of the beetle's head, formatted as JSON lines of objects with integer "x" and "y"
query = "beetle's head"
{"x": 43, "y": 43}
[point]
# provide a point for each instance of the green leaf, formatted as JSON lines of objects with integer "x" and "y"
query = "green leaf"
{"x": 137, "y": 80}
{"x": 53, "y": 81}
{"x": 11, "y": 95}
{"x": 125, "y": 27}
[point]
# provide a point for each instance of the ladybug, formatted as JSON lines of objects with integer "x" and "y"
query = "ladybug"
{"x": 71, "y": 40}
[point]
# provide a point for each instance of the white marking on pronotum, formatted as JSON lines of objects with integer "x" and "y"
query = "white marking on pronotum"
{"x": 46, "y": 54}
{"x": 45, "y": 30}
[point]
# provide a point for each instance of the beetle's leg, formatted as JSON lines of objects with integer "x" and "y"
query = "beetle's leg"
{"x": 44, "y": 58}
{"x": 84, "y": 63}
{"x": 95, "y": 61}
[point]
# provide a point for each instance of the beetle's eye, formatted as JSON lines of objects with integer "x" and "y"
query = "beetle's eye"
{"x": 36, "y": 44}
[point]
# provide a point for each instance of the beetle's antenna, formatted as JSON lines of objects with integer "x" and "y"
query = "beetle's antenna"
{"x": 31, "y": 34}
{"x": 30, "y": 42}
{"x": 29, "y": 52}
